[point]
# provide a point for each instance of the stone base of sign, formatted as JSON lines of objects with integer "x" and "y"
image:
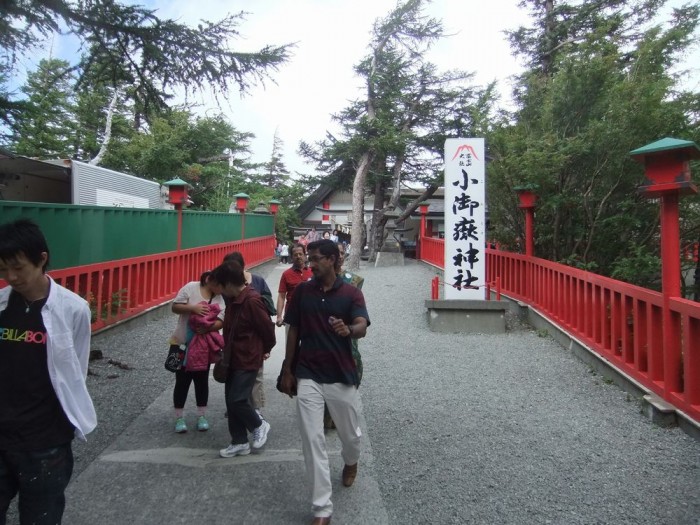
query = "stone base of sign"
{"x": 467, "y": 316}
{"x": 389, "y": 259}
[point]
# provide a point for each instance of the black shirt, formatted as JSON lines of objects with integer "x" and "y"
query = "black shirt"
{"x": 31, "y": 417}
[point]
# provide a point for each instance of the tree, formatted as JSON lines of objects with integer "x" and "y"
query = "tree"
{"x": 598, "y": 86}
{"x": 208, "y": 153}
{"x": 275, "y": 172}
{"x": 396, "y": 134}
{"x": 46, "y": 127}
{"x": 130, "y": 44}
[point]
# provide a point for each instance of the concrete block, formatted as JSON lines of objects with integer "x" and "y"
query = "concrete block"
{"x": 466, "y": 316}
{"x": 389, "y": 259}
{"x": 659, "y": 411}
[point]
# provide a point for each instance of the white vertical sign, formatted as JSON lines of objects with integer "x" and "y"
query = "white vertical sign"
{"x": 465, "y": 219}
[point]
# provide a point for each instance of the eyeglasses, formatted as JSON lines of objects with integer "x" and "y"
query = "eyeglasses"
{"x": 316, "y": 258}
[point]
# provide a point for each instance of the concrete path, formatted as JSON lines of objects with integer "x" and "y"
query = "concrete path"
{"x": 457, "y": 429}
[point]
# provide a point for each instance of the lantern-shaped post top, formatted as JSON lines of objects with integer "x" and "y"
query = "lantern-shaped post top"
{"x": 177, "y": 191}
{"x": 423, "y": 207}
{"x": 527, "y": 195}
{"x": 241, "y": 201}
{"x": 667, "y": 166}
{"x": 274, "y": 206}
{"x": 261, "y": 208}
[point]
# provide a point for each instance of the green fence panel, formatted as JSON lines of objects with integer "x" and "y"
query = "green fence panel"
{"x": 202, "y": 228}
{"x": 258, "y": 225}
{"x": 79, "y": 235}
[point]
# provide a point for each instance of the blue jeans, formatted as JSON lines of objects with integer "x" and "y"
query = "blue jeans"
{"x": 41, "y": 478}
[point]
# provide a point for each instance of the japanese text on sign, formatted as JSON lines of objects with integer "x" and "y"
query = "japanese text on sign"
{"x": 465, "y": 224}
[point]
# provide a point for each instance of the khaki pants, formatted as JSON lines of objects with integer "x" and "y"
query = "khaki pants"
{"x": 257, "y": 397}
{"x": 342, "y": 401}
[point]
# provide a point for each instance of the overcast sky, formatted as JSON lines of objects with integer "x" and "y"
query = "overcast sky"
{"x": 331, "y": 37}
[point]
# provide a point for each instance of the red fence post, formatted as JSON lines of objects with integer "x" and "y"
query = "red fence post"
{"x": 667, "y": 175}
{"x": 435, "y": 288}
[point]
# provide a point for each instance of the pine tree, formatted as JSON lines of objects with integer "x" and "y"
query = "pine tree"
{"x": 45, "y": 128}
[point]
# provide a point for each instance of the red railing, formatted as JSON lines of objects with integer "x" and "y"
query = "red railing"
{"x": 120, "y": 289}
{"x": 619, "y": 321}
{"x": 432, "y": 251}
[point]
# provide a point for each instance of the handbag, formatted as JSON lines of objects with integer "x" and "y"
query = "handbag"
{"x": 176, "y": 355}
{"x": 221, "y": 368}
{"x": 292, "y": 368}
{"x": 279, "y": 382}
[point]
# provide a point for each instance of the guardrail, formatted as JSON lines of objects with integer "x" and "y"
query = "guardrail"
{"x": 432, "y": 251}
{"x": 619, "y": 321}
{"x": 118, "y": 290}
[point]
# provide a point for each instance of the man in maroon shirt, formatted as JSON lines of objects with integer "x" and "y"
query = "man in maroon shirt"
{"x": 298, "y": 273}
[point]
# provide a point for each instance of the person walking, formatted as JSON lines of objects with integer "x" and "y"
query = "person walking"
{"x": 324, "y": 316}
{"x": 248, "y": 335}
{"x": 290, "y": 279}
{"x": 257, "y": 283}
{"x": 196, "y": 298}
{"x": 352, "y": 279}
{"x": 44, "y": 400}
{"x": 284, "y": 253}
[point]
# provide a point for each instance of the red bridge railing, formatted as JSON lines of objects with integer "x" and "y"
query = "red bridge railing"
{"x": 117, "y": 290}
{"x": 619, "y": 321}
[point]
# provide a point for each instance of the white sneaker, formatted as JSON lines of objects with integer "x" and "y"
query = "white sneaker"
{"x": 260, "y": 434}
{"x": 235, "y": 450}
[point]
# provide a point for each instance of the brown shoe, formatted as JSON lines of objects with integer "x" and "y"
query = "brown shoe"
{"x": 349, "y": 474}
{"x": 321, "y": 521}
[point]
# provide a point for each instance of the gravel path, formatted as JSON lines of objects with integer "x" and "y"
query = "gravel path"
{"x": 507, "y": 429}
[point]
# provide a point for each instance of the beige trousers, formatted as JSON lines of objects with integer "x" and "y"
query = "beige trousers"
{"x": 342, "y": 401}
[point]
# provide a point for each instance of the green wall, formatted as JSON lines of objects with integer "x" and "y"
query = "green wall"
{"x": 79, "y": 235}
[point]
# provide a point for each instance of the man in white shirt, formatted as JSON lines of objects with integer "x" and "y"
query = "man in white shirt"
{"x": 44, "y": 402}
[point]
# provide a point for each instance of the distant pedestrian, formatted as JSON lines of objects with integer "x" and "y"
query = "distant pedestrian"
{"x": 334, "y": 236}
{"x": 196, "y": 298}
{"x": 249, "y": 334}
{"x": 305, "y": 239}
{"x": 325, "y": 314}
{"x": 44, "y": 401}
{"x": 289, "y": 280}
{"x": 284, "y": 253}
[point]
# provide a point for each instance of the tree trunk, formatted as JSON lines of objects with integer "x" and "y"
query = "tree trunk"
{"x": 108, "y": 131}
{"x": 375, "y": 232}
{"x": 358, "y": 210}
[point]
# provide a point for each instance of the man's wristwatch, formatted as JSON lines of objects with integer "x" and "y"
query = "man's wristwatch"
{"x": 350, "y": 330}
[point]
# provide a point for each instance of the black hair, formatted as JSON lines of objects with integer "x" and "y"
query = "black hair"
{"x": 235, "y": 256}
{"x": 230, "y": 272}
{"x": 23, "y": 236}
{"x": 325, "y": 247}
{"x": 298, "y": 245}
{"x": 204, "y": 278}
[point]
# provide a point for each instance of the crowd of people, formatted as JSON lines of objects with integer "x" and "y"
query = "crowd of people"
{"x": 324, "y": 313}
{"x": 224, "y": 317}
